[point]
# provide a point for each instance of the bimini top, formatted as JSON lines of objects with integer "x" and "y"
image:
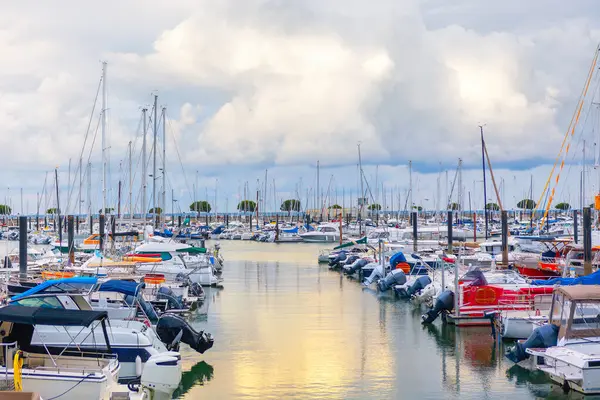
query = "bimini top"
{"x": 66, "y": 285}
{"x": 126, "y": 287}
{"x": 589, "y": 293}
{"x": 50, "y": 316}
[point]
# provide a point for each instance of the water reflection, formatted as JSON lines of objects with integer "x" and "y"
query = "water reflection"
{"x": 198, "y": 375}
{"x": 288, "y": 328}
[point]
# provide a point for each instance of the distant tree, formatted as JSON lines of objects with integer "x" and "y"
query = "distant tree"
{"x": 107, "y": 210}
{"x": 290, "y": 205}
{"x": 336, "y": 207}
{"x": 563, "y": 206}
{"x": 492, "y": 207}
{"x": 4, "y": 209}
{"x": 53, "y": 210}
{"x": 200, "y": 206}
{"x": 418, "y": 208}
{"x": 375, "y": 207}
{"x": 526, "y": 204}
{"x": 158, "y": 211}
{"x": 246, "y": 206}
{"x": 454, "y": 206}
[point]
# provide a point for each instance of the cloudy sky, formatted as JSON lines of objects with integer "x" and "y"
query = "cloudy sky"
{"x": 257, "y": 84}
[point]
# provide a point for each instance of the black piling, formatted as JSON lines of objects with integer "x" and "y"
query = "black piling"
{"x": 587, "y": 241}
{"x": 575, "y": 227}
{"x": 23, "y": 247}
{"x": 414, "y": 226}
{"x": 71, "y": 238}
{"x": 91, "y": 224}
{"x": 101, "y": 223}
{"x": 77, "y": 224}
{"x": 113, "y": 226}
{"x": 179, "y": 221}
{"x": 450, "y": 235}
{"x": 504, "y": 218}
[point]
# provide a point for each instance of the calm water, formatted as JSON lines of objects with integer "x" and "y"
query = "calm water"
{"x": 286, "y": 327}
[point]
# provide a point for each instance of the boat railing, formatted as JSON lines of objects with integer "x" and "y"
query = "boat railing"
{"x": 7, "y": 354}
{"x": 39, "y": 362}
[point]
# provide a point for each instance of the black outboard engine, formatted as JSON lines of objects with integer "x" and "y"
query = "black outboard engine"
{"x": 444, "y": 303}
{"x": 173, "y": 301}
{"x": 196, "y": 290}
{"x": 146, "y": 307}
{"x": 396, "y": 277}
{"x": 338, "y": 259}
{"x": 350, "y": 259}
{"x": 172, "y": 329}
{"x": 545, "y": 336}
{"x": 418, "y": 285}
{"x": 357, "y": 266}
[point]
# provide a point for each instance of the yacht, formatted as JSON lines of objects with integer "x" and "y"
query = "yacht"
{"x": 323, "y": 234}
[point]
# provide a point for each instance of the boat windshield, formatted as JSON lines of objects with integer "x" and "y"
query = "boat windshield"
{"x": 586, "y": 316}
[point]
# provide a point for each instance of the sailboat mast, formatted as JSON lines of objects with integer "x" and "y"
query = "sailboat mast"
{"x": 89, "y": 191}
{"x": 361, "y": 197}
{"x": 164, "y": 165}
{"x": 154, "y": 162}
{"x": 317, "y": 193}
{"x": 144, "y": 164}
{"x": 79, "y": 201}
{"x": 104, "y": 67}
{"x": 410, "y": 190}
{"x": 485, "y": 211}
{"x": 130, "y": 187}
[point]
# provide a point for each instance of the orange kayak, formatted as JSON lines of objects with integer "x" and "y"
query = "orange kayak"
{"x": 47, "y": 275}
{"x": 142, "y": 259}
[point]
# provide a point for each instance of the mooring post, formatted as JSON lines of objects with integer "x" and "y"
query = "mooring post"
{"x": 575, "y": 227}
{"x": 414, "y": 226}
{"x": 587, "y": 241}
{"x": 77, "y": 224}
{"x": 450, "y": 235}
{"x": 101, "y": 223}
{"x": 23, "y": 247}
{"x": 504, "y": 218}
{"x": 179, "y": 221}
{"x": 475, "y": 227}
{"x": 91, "y": 224}
{"x": 113, "y": 226}
{"x": 71, "y": 239}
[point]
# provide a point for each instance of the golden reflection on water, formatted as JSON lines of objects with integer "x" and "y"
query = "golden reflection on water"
{"x": 286, "y": 327}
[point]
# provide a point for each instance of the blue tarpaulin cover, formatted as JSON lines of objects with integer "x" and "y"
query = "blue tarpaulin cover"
{"x": 592, "y": 279}
{"x": 126, "y": 287}
{"x": 59, "y": 286}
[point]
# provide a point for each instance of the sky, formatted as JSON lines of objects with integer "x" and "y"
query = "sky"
{"x": 279, "y": 85}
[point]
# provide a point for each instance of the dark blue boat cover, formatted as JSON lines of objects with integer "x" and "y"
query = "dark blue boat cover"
{"x": 592, "y": 279}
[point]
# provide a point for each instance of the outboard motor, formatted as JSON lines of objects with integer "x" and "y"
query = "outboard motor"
{"x": 396, "y": 277}
{"x": 545, "y": 336}
{"x": 350, "y": 259}
{"x": 173, "y": 301}
{"x": 146, "y": 307}
{"x": 418, "y": 284}
{"x": 172, "y": 329}
{"x": 444, "y": 303}
{"x": 355, "y": 266}
{"x": 338, "y": 259}
{"x": 196, "y": 290}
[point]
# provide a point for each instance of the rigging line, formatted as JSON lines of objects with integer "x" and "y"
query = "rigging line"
{"x": 87, "y": 132}
{"x": 187, "y": 184}
{"x": 573, "y": 127}
{"x": 570, "y": 129}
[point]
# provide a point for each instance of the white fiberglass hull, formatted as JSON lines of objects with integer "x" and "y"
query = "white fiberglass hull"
{"x": 319, "y": 238}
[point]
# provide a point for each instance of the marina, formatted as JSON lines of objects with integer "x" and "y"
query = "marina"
{"x": 300, "y": 200}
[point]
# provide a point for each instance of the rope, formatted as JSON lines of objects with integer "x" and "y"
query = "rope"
{"x": 73, "y": 387}
{"x": 570, "y": 132}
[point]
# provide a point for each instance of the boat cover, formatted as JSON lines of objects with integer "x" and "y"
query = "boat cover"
{"x": 49, "y": 316}
{"x": 291, "y": 230}
{"x": 65, "y": 285}
{"x": 351, "y": 243}
{"x": 192, "y": 250}
{"x": 397, "y": 259}
{"x": 126, "y": 287}
{"x": 592, "y": 279}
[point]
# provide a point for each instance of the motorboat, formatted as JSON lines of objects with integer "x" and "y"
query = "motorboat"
{"x": 53, "y": 372}
{"x": 325, "y": 233}
{"x": 573, "y": 360}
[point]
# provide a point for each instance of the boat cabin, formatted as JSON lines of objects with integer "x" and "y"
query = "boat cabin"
{"x": 576, "y": 310}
